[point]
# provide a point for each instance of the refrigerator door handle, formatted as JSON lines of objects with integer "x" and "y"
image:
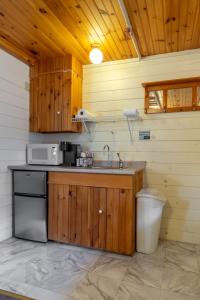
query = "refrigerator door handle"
{"x": 30, "y": 195}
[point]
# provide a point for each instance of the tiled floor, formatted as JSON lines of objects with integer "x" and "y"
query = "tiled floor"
{"x": 56, "y": 271}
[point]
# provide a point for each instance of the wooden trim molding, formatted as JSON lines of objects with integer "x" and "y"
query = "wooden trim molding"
{"x": 95, "y": 180}
{"x": 171, "y": 82}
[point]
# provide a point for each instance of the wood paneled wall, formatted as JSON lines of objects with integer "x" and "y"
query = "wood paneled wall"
{"x": 172, "y": 154}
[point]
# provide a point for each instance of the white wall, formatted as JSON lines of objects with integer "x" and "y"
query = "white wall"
{"x": 13, "y": 130}
{"x": 172, "y": 154}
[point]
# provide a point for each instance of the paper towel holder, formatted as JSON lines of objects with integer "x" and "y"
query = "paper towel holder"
{"x": 131, "y": 115}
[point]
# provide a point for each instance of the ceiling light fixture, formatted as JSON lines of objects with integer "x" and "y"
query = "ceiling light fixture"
{"x": 96, "y": 56}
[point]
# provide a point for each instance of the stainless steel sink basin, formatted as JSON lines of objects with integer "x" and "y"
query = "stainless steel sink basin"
{"x": 98, "y": 168}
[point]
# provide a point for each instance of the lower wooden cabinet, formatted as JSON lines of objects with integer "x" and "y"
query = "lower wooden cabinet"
{"x": 90, "y": 214}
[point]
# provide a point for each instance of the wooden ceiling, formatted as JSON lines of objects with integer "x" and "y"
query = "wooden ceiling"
{"x": 45, "y": 28}
{"x": 163, "y": 26}
{"x": 34, "y": 29}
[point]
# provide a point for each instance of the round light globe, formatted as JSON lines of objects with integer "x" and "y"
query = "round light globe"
{"x": 96, "y": 56}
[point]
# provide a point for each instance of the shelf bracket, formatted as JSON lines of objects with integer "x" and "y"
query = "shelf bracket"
{"x": 85, "y": 126}
{"x": 130, "y": 129}
{"x": 84, "y": 122}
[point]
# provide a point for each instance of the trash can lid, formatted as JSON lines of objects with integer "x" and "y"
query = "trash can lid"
{"x": 151, "y": 193}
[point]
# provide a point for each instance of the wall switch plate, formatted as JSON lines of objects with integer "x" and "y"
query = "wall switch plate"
{"x": 144, "y": 135}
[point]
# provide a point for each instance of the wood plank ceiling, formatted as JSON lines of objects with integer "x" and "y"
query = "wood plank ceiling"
{"x": 46, "y": 28}
{"x": 34, "y": 29}
{"x": 162, "y": 26}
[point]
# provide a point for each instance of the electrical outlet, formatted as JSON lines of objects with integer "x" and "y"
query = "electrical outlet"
{"x": 144, "y": 135}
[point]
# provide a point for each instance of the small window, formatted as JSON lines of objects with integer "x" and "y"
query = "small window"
{"x": 172, "y": 95}
{"x": 198, "y": 96}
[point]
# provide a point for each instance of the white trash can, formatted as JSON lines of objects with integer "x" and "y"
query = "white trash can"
{"x": 150, "y": 203}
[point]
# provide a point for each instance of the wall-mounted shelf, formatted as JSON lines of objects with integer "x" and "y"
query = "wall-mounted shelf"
{"x": 84, "y": 122}
{"x": 101, "y": 119}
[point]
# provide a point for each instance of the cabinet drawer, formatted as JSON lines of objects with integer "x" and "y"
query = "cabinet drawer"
{"x": 95, "y": 180}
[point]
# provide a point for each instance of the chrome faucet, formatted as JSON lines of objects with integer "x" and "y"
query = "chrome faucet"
{"x": 107, "y": 148}
{"x": 121, "y": 164}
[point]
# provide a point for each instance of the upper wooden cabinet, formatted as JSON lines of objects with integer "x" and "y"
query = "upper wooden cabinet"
{"x": 55, "y": 94}
{"x": 172, "y": 95}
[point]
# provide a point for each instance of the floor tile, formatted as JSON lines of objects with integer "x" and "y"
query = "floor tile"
{"x": 133, "y": 291}
{"x": 94, "y": 290}
{"x": 198, "y": 249}
{"x": 180, "y": 248}
{"x": 102, "y": 280}
{"x": 62, "y": 272}
{"x": 29, "y": 291}
{"x": 53, "y": 267}
{"x": 145, "y": 271}
{"x": 176, "y": 280}
{"x": 166, "y": 295}
{"x": 54, "y": 275}
{"x": 184, "y": 262}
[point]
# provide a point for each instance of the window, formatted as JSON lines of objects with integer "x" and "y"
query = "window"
{"x": 172, "y": 95}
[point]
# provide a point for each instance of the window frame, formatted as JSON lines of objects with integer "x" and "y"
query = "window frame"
{"x": 166, "y": 85}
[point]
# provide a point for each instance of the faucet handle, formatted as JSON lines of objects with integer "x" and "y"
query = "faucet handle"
{"x": 121, "y": 164}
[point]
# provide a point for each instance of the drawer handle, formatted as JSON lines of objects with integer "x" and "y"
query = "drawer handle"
{"x": 100, "y": 211}
{"x": 58, "y": 112}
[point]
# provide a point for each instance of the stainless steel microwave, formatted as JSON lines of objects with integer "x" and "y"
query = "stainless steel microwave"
{"x": 44, "y": 154}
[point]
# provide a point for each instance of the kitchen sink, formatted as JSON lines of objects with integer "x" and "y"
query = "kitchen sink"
{"x": 106, "y": 167}
{"x": 98, "y": 168}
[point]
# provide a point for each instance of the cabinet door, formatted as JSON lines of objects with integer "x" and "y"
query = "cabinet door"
{"x": 90, "y": 217}
{"x": 62, "y": 213}
{"x": 120, "y": 229}
{"x": 98, "y": 217}
{"x": 55, "y": 94}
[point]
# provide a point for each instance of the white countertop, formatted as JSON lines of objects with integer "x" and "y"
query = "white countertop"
{"x": 130, "y": 168}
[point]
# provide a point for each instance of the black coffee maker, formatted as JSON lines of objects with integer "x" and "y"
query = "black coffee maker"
{"x": 70, "y": 153}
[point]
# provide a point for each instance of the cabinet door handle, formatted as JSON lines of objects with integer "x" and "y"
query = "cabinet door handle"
{"x": 58, "y": 112}
{"x": 100, "y": 211}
